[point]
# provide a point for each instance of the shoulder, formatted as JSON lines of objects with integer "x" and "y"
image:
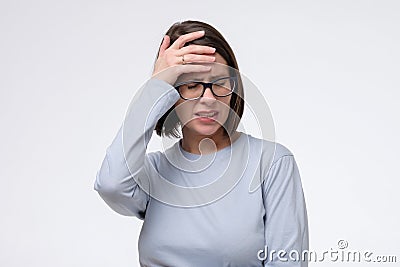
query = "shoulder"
{"x": 153, "y": 157}
{"x": 270, "y": 149}
{"x": 278, "y": 166}
{"x": 270, "y": 154}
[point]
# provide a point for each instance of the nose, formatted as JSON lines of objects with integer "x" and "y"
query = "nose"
{"x": 208, "y": 94}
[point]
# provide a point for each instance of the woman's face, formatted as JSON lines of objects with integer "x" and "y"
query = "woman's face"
{"x": 206, "y": 115}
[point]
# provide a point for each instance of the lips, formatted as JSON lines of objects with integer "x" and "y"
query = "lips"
{"x": 209, "y": 114}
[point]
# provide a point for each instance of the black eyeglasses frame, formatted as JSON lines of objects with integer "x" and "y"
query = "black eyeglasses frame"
{"x": 208, "y": 85}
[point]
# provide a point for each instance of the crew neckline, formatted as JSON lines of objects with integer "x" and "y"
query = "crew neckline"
{"x": 194, "y": 156}
{"x": 190, "y": 162}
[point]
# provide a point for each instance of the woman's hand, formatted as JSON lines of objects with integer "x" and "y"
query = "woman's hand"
{"x": 177, "y": 56}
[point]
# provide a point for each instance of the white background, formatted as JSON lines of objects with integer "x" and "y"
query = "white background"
{"x": 68, "y": 70}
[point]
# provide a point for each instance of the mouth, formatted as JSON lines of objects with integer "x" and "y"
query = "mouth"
{"x": 206, "y": 115}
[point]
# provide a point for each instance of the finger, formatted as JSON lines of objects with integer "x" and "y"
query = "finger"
{"x": 196, "y": 49}
{"x": 164, "y": 45}
{"x": 180, "y": 42}
{"x": 171, "y": 73}
{"x": 190, "y": 58}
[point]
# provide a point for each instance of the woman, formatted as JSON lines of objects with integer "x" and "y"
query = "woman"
{"x": 194, "y": 198}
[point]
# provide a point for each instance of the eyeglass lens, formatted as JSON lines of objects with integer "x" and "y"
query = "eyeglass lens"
{"x": 194, "y": 89}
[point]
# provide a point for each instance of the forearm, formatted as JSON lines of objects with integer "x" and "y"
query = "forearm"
{"x": 126, "y": 156}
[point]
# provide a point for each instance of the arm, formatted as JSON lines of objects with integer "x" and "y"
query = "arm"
{"x": 286, "y": 225}
{"x": 126, "y": 157}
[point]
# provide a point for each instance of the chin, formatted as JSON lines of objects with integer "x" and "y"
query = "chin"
{"x": 206, "y": 130}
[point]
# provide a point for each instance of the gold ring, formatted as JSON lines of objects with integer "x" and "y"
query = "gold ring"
{"x": 183, "y": 60}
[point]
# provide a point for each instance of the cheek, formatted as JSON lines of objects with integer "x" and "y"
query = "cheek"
{"x": 225, "y": 106}
{"x": 183, "y": 110}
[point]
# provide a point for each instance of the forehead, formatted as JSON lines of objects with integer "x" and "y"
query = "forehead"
{"x": 220, "y": 59}
{"x": 218, "y": 70}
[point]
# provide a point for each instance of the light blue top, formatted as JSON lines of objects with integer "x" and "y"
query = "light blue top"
{"x": 215, "y": 224}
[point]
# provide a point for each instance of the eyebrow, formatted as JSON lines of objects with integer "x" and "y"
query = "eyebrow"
{"x": 219, "y": 76}
{"x": 212, "y": 78}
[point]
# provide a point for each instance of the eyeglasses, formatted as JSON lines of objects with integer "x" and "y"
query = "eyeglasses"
{"x": 221, "y": 87}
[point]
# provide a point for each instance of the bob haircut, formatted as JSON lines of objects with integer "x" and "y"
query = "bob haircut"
{"x": 170, "y": 127}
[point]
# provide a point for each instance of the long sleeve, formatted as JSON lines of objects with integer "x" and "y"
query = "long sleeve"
{"x": 286, "y": 224}
{"x": 126, "y": 157}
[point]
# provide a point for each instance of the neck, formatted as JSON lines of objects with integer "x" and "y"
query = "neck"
{"x": 204, "y": 144}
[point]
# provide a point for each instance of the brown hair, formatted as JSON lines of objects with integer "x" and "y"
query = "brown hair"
{"x": 212, "y": 38}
